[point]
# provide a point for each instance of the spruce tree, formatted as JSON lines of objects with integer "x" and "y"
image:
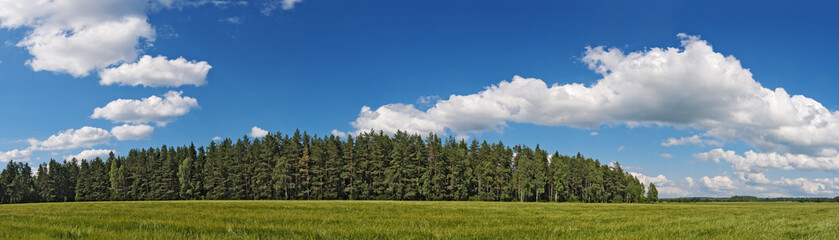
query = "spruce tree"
{"x": 652, "y": 193}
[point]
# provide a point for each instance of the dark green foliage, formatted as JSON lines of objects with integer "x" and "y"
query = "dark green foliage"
{"x": 117, "y": 178}
{"x": 17, "y": 184}
{"x": 652, "y": 193}
{"x": 372, "y": 165}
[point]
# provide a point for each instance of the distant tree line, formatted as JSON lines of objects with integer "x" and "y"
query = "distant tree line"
{"x": 299, "y": 166}
{"x": 750, "y": 199}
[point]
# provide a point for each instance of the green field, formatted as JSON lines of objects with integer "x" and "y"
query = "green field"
{"x": 418, "y": 220}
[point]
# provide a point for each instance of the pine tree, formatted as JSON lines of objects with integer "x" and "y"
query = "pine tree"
{"x": 82, "y": 182}
{"x": 283, "y": 172}
{"x": 185, "y": 177}
{"x": 349, "y": 173}
{"x": 262, "y": 154}
{"x": 333, "y": 188}
{"x": 45, "y": 184}
{"x": 117, "y": 178}
{"x": 99, "y": 181}
{"x": 652, "y": 193}
{"x": 303, "y": 176}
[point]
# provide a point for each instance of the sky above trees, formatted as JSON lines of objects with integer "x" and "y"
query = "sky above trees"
{"x": 702, "y": 99}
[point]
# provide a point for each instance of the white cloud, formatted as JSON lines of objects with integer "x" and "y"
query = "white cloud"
{"x": 690, "y": 181}
{"x": 666, "y": 155}
{"x": 695, "y": 139}
{"x": 72, "y": 138}
{"x": 393, "y": 117}
{"x": 665, "y": 187}
{"x": 151, "y": 109}
{"x": 758, "y": 178}
{"x": 91, "y": 154}
{"x": 621, "y": 148}
{"x": 132, "y": 132}
{"x": 752, "y": 161}
{"x": 257, "y": 132}
{"x": 77, "y": 36}
{"x": 659, "y": 180}
{"x": 337, "y": 133}
{"x": 813, "y": 187}
{"x": 16, "y": 155}
{"x": 216, "y": 138}
{"x": 670, "y": 191}
{"x": 717, "y": 183}
{"x": 272, "y": 5}
{"x": 691, "y": 86}
{"x": 157, "y": 72}
{"x": 593, "y": 133}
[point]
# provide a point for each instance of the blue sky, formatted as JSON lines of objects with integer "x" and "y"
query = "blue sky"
{"x": 314, "y": 65}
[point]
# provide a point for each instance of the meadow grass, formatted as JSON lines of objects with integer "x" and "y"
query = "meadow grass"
{"x": 416, "y": 220}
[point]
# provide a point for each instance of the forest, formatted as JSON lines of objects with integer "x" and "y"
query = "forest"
{"x": 371, "y": 166}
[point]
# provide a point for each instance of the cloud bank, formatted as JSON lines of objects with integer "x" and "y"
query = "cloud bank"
{"x": 691, "y": 86}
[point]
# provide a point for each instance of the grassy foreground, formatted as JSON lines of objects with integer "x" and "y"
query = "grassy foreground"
{"x": 386, "y": 219}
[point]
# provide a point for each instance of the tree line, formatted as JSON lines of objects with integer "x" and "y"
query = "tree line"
{"x": 751, "y": 199}
{"x": 370, "y": 166}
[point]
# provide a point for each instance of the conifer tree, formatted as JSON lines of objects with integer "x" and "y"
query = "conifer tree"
{"x": 185, "y": 177}
{"x": 117, "y": 178}
{"x": 82, "y": 182}
{"x": 652, "y": 193}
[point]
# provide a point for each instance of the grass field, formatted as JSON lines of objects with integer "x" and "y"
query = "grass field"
{"x": 418, "y": 220}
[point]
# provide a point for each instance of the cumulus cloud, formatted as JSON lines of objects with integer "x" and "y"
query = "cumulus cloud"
{"x": 759, "y": 185}
{"x": 690, "y": 181}
{"x": 819, "y": 186}
{"x": 666, "y": 155}
{"x": 671, "y": 191}
{"x": 257, "y": 132}
{"x": 77, "y": 36}
{"x": 337, "y": 133}
{"x": 691, "y": 86}
{"x": 151, "y": 109}
{"x": 84, "y": 137}
{"x": 695, "y": 139}
{"x": 157, "y": 72}
{"x": 758, "y": 178}
{"x": 16, "y": 155}
{"x": 91, "y": 154}
{"x": 665, "y": 187}
{"x": 72, "y": 138}
{"x": 393, "y": 117}
{"x": 752, "y": 161}
{"x": 216, "y": 138}
{"x": 717, "y": 183}
{"x": 132, "y": 132}
{"x": 657, "y": 180}
{"x": 593, "y": 133}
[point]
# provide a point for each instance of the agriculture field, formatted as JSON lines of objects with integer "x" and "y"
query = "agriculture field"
{"x": 386, "y": 219}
